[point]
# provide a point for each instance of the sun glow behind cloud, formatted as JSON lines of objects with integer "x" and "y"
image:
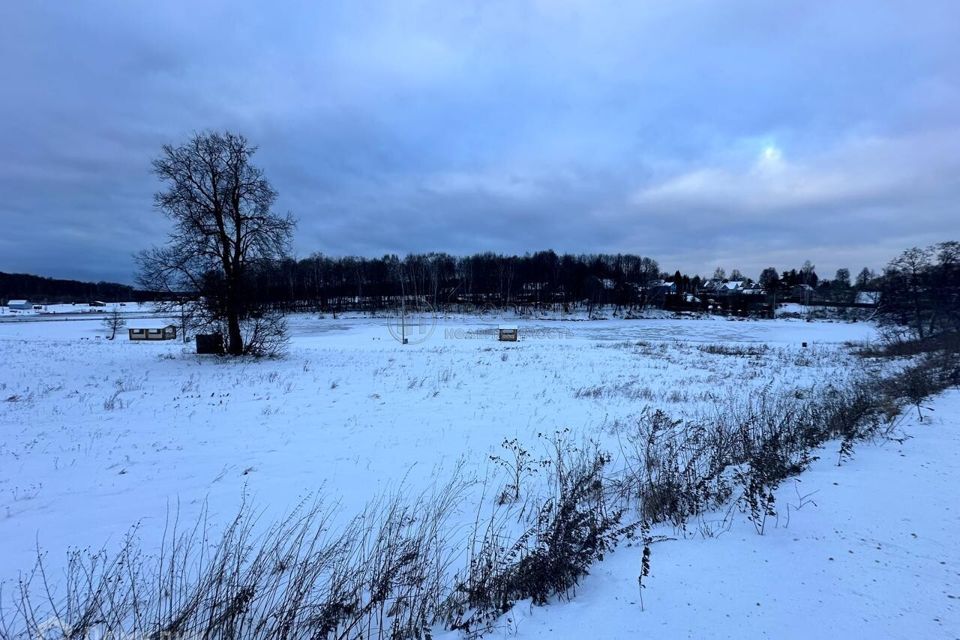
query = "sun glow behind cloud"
{"x": 771, "y": 158}
{"x": 852, "y": 174}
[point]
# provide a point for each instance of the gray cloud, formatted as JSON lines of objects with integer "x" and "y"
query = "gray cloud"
{"x": 740, "y": 133}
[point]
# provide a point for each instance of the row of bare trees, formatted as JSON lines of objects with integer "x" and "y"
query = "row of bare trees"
{"x": 920, "y": 290}
{"x": 324, "y": 283}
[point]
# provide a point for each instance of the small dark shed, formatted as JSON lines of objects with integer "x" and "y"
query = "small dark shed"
{"x": 210, "y": 344}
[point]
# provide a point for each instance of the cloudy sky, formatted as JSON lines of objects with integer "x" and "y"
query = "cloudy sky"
{"x": 735, "y": 133}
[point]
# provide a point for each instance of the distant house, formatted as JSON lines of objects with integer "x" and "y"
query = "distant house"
{"x": 663, "y": 287}
{"x": 726, "y": 288}
{"x": 168, "y": 332}
{"x": 722, "y": 287}
{"x": 20, "y": 305}
{"x": 732, "y": 287}
{"x": 657, "y": 292}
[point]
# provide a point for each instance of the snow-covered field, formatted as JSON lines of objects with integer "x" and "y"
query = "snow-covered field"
{"x": 99, "y": 435}
{"x": 870, "y": 550}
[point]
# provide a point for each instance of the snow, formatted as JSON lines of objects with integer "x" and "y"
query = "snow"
{"x": 128, "y": 427}
{"x": 148, "y": 323}
{"x": 100, "y": 435}
{"x": 68, "y": 311}
{"x": 791, "y": 307}
{"x": 871, "y": 553}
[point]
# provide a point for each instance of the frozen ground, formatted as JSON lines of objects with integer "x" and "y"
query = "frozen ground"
{"x": 872, "y": 552}
{"x": 99, "y": 435}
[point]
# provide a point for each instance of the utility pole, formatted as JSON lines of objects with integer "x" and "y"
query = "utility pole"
{"x": 403, "y": 312}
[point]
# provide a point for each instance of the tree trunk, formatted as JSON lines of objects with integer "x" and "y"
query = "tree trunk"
{"x": 234, "y": 338}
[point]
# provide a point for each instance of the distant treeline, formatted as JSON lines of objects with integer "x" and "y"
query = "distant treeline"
{"x": 543, "y": 279}
{"x": 442, "y": 280}
{"x": 22, "y": 286}
{"x": 919, "y": 289}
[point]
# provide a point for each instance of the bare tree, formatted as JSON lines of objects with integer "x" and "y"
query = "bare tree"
{"x": 113, "y": 323}
{"x": 220, "y": 205}
{"x": 842, "y": 278}
{"x": 906, "y": 288}
{"x": 770, "y": 279}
